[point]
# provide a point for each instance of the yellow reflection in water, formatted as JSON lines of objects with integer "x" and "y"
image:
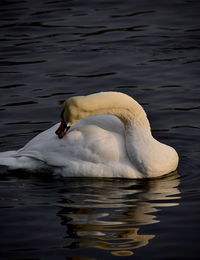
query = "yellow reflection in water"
{"x": 110, "y": 215}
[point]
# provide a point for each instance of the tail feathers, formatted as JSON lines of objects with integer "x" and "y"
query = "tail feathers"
{"x": 8, "y": 158}
{"x": 14, "y": 160}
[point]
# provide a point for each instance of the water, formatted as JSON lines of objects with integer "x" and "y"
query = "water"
{"x": 51, "y": 50}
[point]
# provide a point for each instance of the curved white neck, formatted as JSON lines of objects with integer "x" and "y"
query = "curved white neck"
{"x": 114, "y": 103}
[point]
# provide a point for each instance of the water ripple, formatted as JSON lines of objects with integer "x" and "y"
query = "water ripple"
{"x": 14, "y": 63}
{"x": 131, "y": 28}
{"x": 125, "y": 209}
{"x": 133, "y": 14}
{"x": 83, "y": 76}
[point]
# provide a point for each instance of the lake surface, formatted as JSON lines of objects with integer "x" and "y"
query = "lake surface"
{"x": 54, "y": 49}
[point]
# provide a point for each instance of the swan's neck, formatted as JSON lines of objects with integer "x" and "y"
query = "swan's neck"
{"x": 113, "y": 103}
{"x": 148, "y": 155}
{"x": 140, "y": 144}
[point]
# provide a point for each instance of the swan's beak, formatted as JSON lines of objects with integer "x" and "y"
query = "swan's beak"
{"x": 62, "y": 129}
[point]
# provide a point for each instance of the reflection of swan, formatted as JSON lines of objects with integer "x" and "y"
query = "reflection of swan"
{"x": 109, "y": 215}
{"x": 99, "y": 146}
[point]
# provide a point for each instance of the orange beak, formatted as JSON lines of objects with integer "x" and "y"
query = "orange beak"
{"x": 62, "y": 129}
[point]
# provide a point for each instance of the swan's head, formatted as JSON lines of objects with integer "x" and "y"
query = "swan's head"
{"x": 70, "y": 114}
{"x": 114, "y": 103}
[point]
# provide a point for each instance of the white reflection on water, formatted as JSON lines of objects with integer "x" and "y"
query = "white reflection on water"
{"x": 109, "y": 214}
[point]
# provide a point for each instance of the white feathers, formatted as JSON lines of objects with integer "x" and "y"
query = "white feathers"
{"x": 99, "y": 145}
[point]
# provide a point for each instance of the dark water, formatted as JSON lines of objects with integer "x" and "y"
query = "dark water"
{"x": 51, "y": 50}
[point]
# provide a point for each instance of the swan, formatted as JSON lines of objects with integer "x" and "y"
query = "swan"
{"x": 106, "y": 134}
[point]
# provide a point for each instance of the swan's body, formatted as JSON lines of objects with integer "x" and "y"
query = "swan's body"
{"x": 109, "y": 136}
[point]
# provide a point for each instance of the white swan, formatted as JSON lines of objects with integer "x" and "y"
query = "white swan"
{"x": 108, "y": 136}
